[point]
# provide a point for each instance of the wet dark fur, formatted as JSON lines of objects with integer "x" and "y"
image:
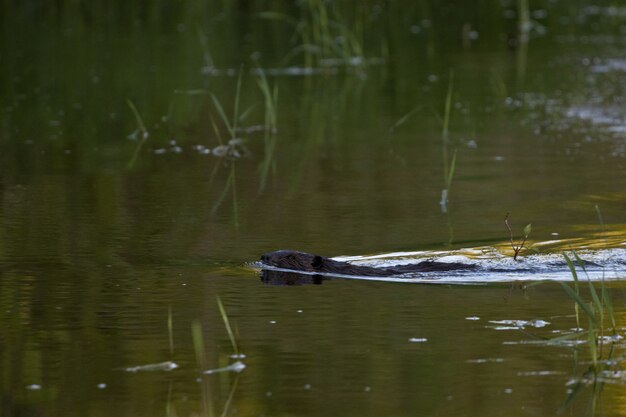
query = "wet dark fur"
{"x": 308, "y": 262}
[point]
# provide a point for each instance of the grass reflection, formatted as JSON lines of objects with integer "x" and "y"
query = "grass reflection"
{"x": 208, "y": 402}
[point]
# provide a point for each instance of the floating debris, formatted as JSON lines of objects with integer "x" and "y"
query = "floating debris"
{"x": 233, "y": 367}
{"x": 235, "y": 149}
{"x": 610, "y": 339}
{"x": 33, "y": 387}
{"x": 517, "y": 324}
{"x": 418, "y": 340}
{"x": 485, "y": 360}
{"x": 540, "y": 373}
{"x": 238, "y": 356}
{"x": 566, "y": 343}
{"x": 613, "y": 376}
{"x": 162, "y": 366}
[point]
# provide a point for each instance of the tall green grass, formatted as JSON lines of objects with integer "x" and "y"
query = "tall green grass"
{"x": 598, "y": 310}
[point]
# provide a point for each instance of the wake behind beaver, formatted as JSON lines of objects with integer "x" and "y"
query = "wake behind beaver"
{"x": 478, "y": 265}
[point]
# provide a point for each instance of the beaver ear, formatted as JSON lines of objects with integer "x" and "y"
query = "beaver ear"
{"x": 317, "y": 262}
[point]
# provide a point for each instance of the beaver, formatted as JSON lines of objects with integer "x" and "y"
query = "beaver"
{"x": 308, "y": 262}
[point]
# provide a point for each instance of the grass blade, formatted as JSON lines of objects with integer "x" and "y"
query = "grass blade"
{"x": 405, "y": 118}
{"x": 236, "y": 109}
{"x": 222, "y": 195}
{"x": 231, "y": 395}
{"x": 144, "y": 133}
{"x": 600, "y": 218}
{"x": 572, "y": 270}
{"x": 229, "y": 330}
{"x": 579, "y": 301}
{"x": 138, "y": 119}
{"x": 594, "y": 294}
{"x": 270, "y": 99}
{"x": 220, "y": 111}
{"x": 572, "y": 395}
{"x": 451, "y": 171}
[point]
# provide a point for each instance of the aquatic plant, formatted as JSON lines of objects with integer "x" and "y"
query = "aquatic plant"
{"x": 141, "y": 134}
{"x": 231, "y": 149}
{"x": 520, "y": 244}
{"x": 597, "y": 310}
{"x": 325, "y": 38}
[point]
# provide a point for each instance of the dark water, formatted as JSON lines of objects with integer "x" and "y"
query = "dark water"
{"x": 105, "y": 238}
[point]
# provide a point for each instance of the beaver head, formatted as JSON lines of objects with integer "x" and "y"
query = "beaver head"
{"x": 290, "y": 259}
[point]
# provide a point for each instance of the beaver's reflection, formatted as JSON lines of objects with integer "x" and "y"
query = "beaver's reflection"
{"x": 270, "y": 277}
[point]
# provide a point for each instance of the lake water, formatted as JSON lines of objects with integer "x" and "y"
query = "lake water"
{"x": 151, "y": 153}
